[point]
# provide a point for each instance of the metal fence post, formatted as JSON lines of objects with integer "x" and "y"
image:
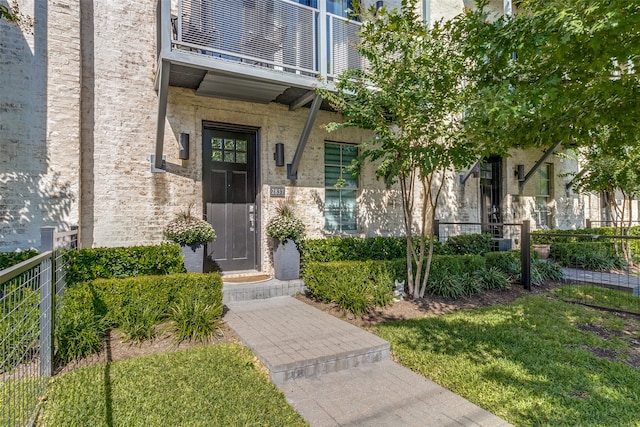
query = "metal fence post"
{"x": 525, "y": 254}
{"x": 47, "y": 283}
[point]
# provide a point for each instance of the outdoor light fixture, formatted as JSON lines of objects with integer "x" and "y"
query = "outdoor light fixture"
{"x": 278, "y": 156}
{"x": 379, "y": 5}
{"x": 184, "y": 146}
{"x": 520, "y": 172}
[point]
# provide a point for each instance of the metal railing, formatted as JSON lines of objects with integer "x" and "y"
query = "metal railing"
{"x": 277, "y": 34}
{"x": 589, "y": 223}
{"x": 600, "y": 270}
{"x": 30, "y": 293}
{"x": 506, "y": 236}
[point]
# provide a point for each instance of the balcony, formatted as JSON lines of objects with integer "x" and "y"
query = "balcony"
{"x": 253, "y": 50}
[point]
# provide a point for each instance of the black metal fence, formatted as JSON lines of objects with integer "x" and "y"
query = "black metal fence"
{"x": 30, "y": 294}
{"x": 590, "y": 223}
{"x": 505, "y": 236}
{"x": 599, "y": 270}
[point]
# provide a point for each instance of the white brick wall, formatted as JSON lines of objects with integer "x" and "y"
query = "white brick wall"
{"x": 39, "y": 123}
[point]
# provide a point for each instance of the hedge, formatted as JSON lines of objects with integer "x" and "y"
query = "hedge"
{"x": 357, "y": 249}
{"x": 538, "y": 236}
{"x": 357, "y": 286}
{"x": 9, "y": 259}
{"x": 107, "y": 263}
{"x": 91, "y": 308}
{"x": 468, "y": 244}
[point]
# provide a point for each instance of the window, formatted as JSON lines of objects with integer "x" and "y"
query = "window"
{"x": 229, "y": 150}
{"x": 340, "y": 7}
{"x": 340, "y": 208}
{"x": 543, "y": 195}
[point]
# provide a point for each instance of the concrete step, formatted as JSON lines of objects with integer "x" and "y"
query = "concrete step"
{"x": 232, "y": 292}
{"x": 295, "y": 340}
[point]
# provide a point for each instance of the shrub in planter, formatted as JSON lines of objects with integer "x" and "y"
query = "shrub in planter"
{"x": 468, "y": 244}
{"x": 188, "y": 230}
{"x": 89, "y": 264}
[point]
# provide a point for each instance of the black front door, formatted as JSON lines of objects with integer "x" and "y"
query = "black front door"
{"x": 229, "y": 179}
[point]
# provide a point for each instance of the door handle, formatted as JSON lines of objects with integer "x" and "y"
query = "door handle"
{"x": 252, "y": 222}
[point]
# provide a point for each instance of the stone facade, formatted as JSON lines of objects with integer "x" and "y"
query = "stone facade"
{"x": 78, "y": 110}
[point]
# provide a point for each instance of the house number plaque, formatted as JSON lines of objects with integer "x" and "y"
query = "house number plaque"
{"x": 277, "y": 191}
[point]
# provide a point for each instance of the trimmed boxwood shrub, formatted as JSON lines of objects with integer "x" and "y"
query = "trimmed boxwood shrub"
{"x": 136, "y": 305}
{"x": 119, "y": 263}
{"x": 357, "y": 249}
{"x": 538, "y": 236}
{"x": 356, "y": 286}
{"x": 9, "y": 259}
{"x": 468, "y": 244}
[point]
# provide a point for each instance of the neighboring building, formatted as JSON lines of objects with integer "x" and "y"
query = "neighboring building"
{"x": 218, "y": 87}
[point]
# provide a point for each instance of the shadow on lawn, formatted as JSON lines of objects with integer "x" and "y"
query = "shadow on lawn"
{"x": 108, "y": 396}
{"x": 526, "y": 362}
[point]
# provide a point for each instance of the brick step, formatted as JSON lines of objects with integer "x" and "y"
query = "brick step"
{"x": 271, "y": 288}
{"x": 295, "y": 340}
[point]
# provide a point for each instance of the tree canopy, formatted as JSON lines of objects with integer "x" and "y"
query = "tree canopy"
{"x": 411, "y": 94}
{"x": 562, "y": 70}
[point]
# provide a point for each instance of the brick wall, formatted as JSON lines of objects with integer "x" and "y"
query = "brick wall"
{"x": 39, "y": 123}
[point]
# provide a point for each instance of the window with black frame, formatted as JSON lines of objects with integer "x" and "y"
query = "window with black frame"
{"x": 341, "y": 187}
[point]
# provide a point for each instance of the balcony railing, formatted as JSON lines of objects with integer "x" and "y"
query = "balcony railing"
{"x": 281, "y": 35}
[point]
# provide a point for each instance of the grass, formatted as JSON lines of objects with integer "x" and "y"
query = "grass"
{"x": 19, "y": 398}
{"x": 527, "y": 362}
{"x": 601, "y": 297}
{"x": 202, "y": 386}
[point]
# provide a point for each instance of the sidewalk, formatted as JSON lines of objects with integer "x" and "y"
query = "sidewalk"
{"x": 336, "y": 374}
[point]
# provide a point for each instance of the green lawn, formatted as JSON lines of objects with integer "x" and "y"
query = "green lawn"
{"x": 601, "y": 297}
{"x": 214, "y": 385}
{"x": 528, "y": 362}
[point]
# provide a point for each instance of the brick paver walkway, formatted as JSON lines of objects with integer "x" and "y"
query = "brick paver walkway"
{"x": 335, "y": 374}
